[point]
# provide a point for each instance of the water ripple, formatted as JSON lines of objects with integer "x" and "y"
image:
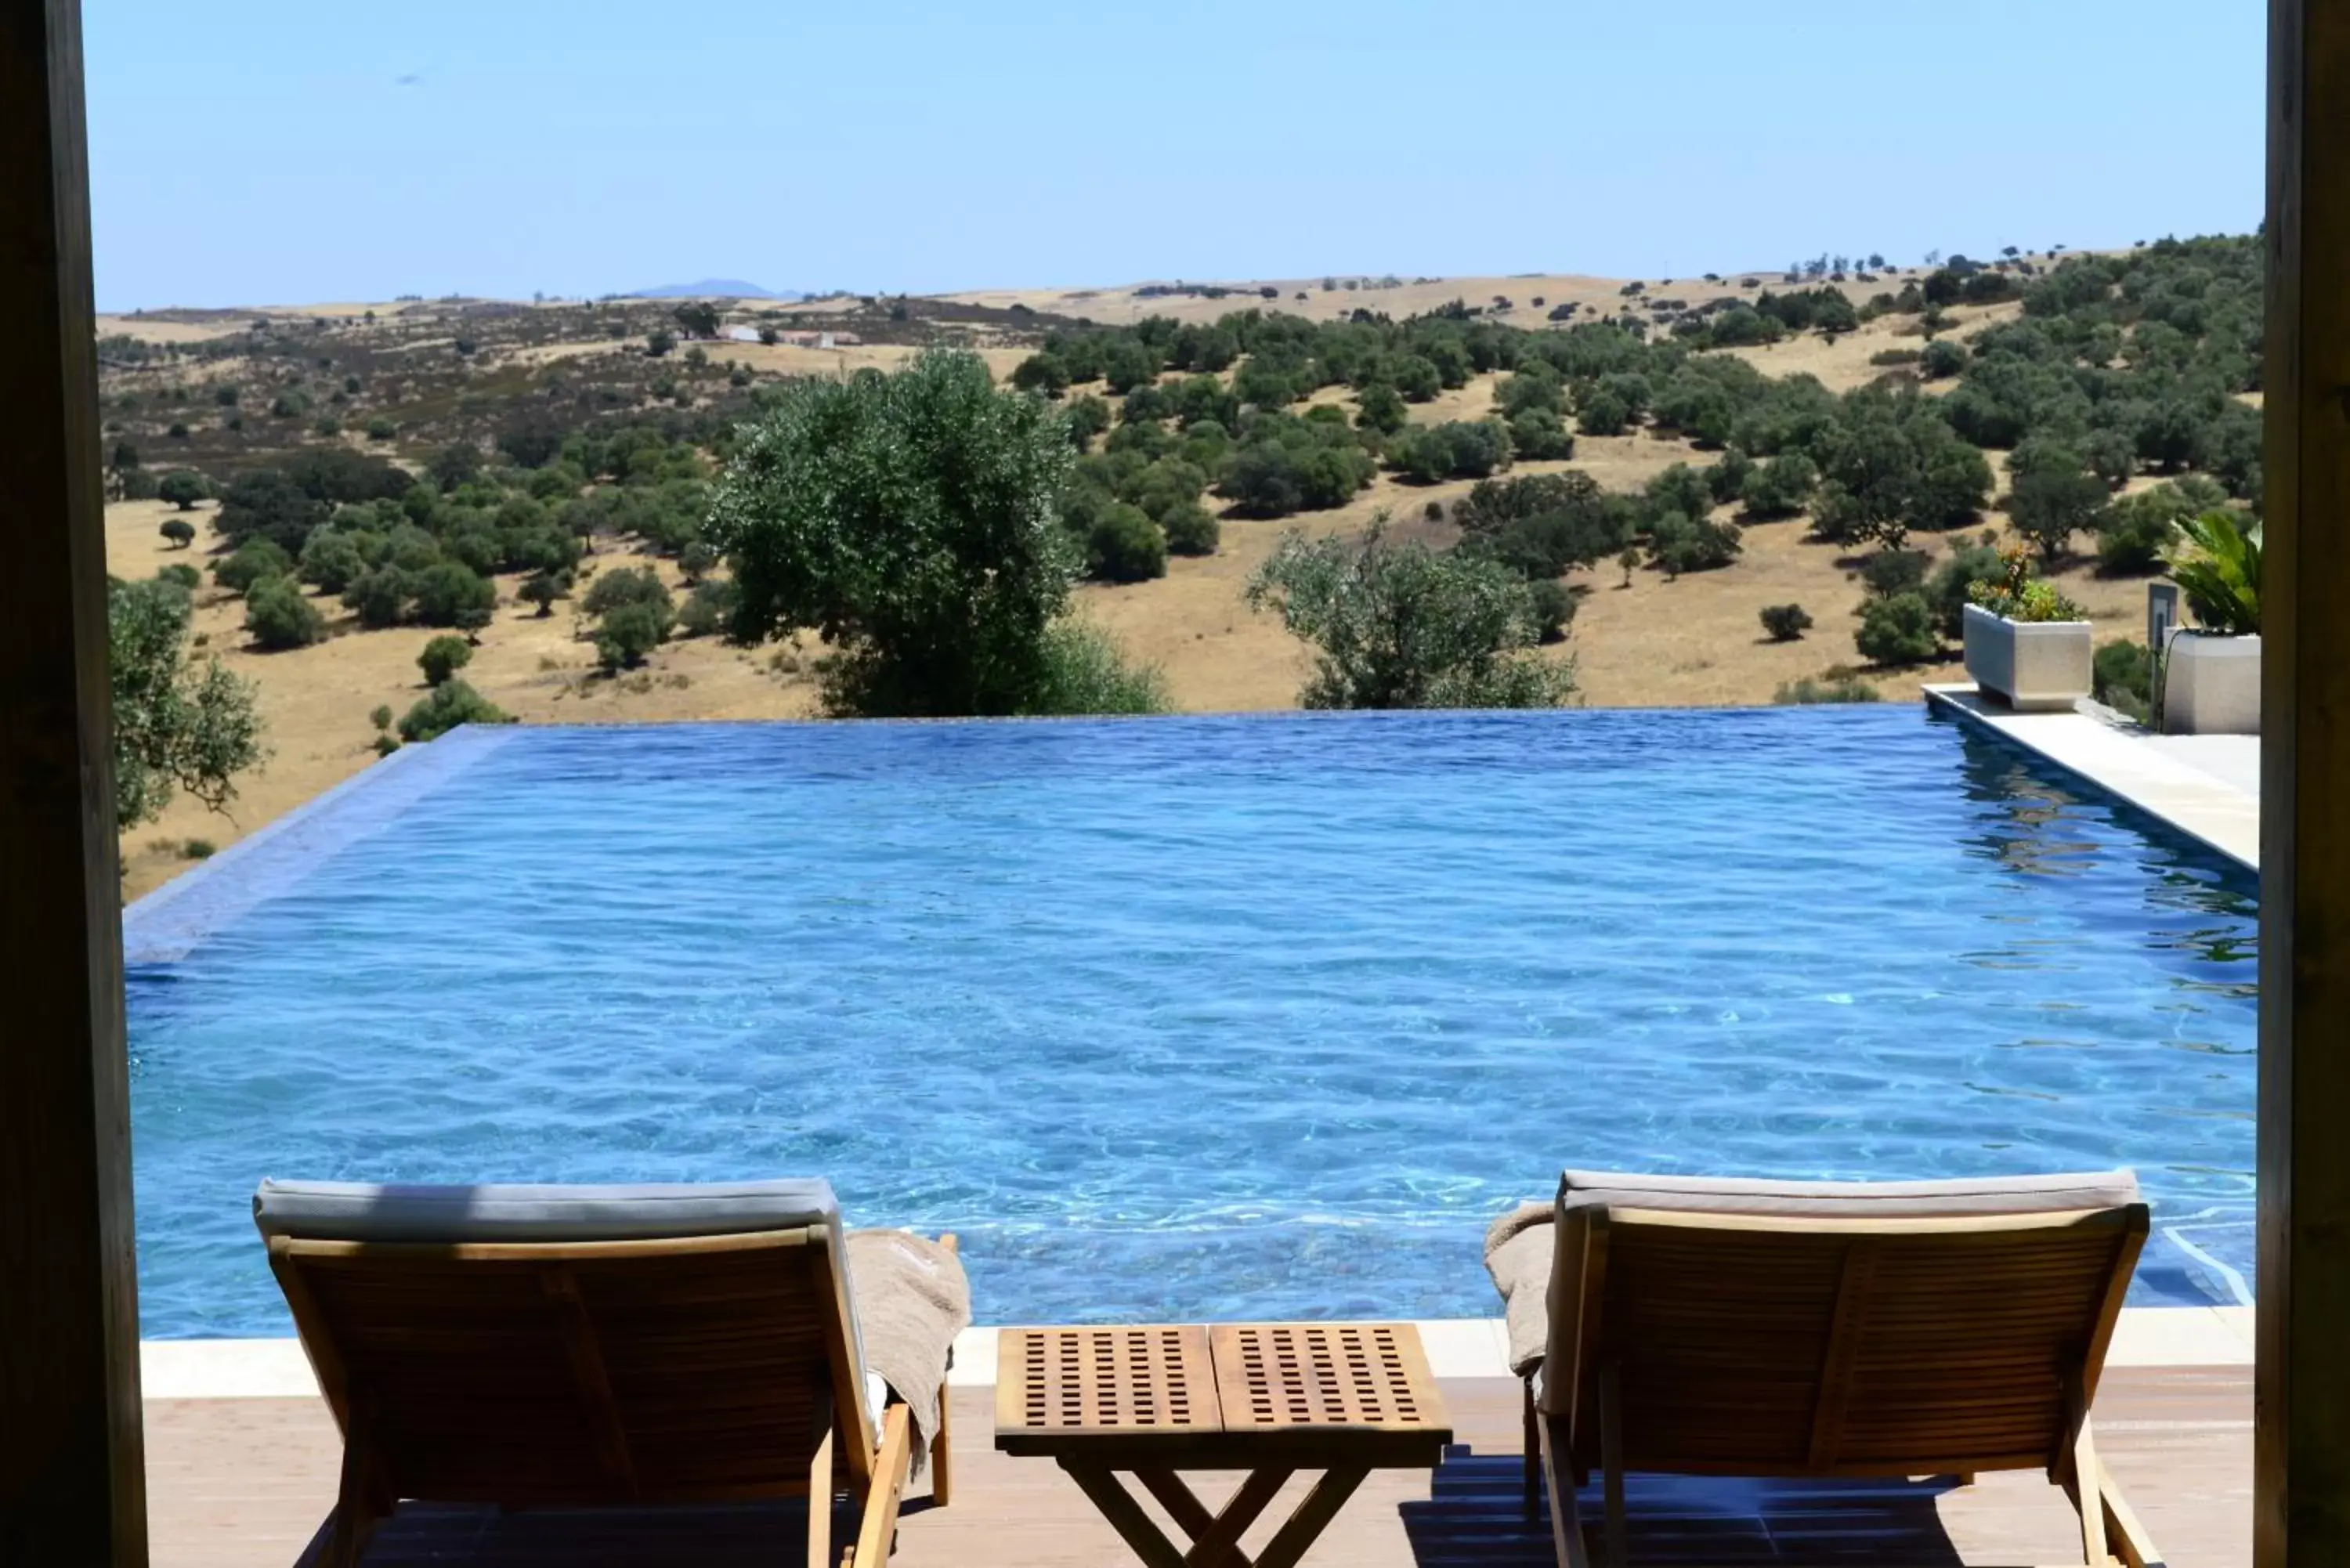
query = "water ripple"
{"x": 1211, "y": 1017}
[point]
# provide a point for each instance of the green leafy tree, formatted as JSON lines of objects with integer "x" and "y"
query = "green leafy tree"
{"x": 182, "y": 488}
{"x": 2054, "y": 499}
{"x": 629, "y": 633}
{"x": 1785, "y": 623}
{"x": 332, "y": 560}
{"x": 277, "y": 617}
{"x": 449, "y": 593}
{"x": 179, "y": 532}
{"x": 1191, "y": 529}
{"x": 910, "y": 518}
{"x": 443, "y": 657}
{"x": 1404, "y": 626}
{"x": 542, "y": 589}
{"x": 176, "y": 728}
{"x": 698, "y": 317}
{"x": 2134, "y": 531}
{"x": 1897, "y": 630}
{"x": 1125, "y": 546}
{"x": 658, "y": 342}
{"x": 448, "y": 705}
{"x": 256, "y": 559}
{"x": 268, "y": 505}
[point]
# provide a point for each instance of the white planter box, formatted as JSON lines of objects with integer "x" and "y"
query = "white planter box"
{"x": 2031, "y": 666}
{"x": 2211, "y": 685}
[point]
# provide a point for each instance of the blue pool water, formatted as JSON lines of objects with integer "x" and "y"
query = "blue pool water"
{"x": 1195, "y": 1017}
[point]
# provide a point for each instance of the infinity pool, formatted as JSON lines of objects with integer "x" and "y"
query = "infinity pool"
{"x": 1194, "y": 1018}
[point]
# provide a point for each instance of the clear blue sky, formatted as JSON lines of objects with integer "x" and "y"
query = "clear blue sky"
{"x": 271, "y": 153}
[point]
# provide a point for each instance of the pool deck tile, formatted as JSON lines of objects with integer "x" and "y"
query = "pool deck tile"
{"x": 2206, "y": 786}
{"x": 243, "y": 1483}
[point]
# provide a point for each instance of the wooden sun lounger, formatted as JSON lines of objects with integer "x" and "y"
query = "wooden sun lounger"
{"x": 636, "y": 1371}
{"x": 1700, "y": 1334}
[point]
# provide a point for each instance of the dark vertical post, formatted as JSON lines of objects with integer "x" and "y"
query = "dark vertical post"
{"x": 72, "y": 1488}
{"x": 2301, "y": 1449}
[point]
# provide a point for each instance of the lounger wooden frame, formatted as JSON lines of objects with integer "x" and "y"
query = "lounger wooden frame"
{"x": 1746, "y": 1345}
{"x": 694, "y": 1370}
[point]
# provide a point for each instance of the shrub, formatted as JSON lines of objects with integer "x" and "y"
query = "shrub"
{"x": 332, "y": 560}
{"x": 380, "y": 428}
{"x": 1678, "y": 543}
{"x": 1088, "y": 417}
{"x": 1952, "y": 587}
{"x": 176, "y": 727}
{"x": 1403, "y": 626}
{"x": 2125, "y": 678}
{"x": 1380, "y": 408}
{"x": 1890, "y": 572}
{"x": 381, "y": 717}
{"x": 277, "y": 617}
{"x": 1554, "y": 610}
{"x": 266, "y": 503}
{"x": 1084, "y": 671}
{"x": 2133, "y": 532}
{"x": 628, "y": 633}
{"x": 658, "y": 342}
{"x": 625, "y": 585}
{"x": 182, "y": 487}
{"x": 442, "y": 657}
{"x": 709, "y": 609}
{"x": 378, "y": 597}
{"x": 1125, "y": 546}
{"x": 1897, "y": 630}
{"x": 449, "y": 593}
{"x": 1191, "y": 529}
{"x": 1457, "y": 450}
{"x": 1785, "y": 623}
{"x": 179, "y": 532}
{"x": 1781, "y": 487}
{"x": 256, "y": 559}
{"x": 910, "y": 519}
{"x": 449, "y": 704}
{"x": 180, "y": 575}
{"x": 1941, "y": 358}
{"x": 1838, "y": 689}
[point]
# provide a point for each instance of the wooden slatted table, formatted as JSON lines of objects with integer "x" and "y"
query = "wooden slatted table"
{"x": 1271, "y": 1399}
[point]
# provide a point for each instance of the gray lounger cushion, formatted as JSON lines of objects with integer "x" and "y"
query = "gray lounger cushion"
{"x": 1521, "y": 1247}
{"x": 359, "y": 1211}
{"x": 1849, "y": 1199}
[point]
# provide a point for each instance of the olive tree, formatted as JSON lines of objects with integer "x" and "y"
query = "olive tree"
{"x": 1404, "y": 626}
{"x": 912, "y": 520}
{"x": 176, "y": 728}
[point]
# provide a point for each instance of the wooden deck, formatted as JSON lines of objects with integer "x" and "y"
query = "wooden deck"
{"x": 246, "y": 1482}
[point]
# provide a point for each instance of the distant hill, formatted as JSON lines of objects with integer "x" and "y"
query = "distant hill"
{"x": 709, "y": 288}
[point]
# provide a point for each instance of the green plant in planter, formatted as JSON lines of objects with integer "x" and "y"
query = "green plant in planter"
{"x": 2016, "y": 595}
{"x": 2217, "y": 565}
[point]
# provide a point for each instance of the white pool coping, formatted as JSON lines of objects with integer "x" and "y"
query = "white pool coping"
{"x": 1457, "y": 1347}
{"x": 2205, "y": 799}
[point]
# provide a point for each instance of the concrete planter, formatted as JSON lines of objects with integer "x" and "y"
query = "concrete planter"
{"x": 2211, "y": 685}
{"x": 2031, "y": 666}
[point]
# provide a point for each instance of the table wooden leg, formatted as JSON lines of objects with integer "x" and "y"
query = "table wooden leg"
{"x": 1216, "y": 1542}
{"x": 1313, "y": 1516}
{"x": 1136, "y": 1528}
